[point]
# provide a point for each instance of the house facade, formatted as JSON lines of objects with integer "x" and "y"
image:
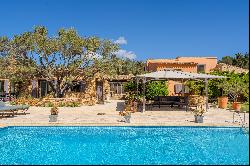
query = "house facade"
{"x": 89, "y": 92}
{"x": 186, "y": 64}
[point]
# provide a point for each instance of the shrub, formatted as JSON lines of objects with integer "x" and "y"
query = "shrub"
{"x": 46, "y": 103}
{"x": 49, "y": 104}
{"x": 156, "y": 88}
{"x": 72, "y": 104}
{"x": 244, "y": 107}
{"x": 235, "y": 85}
{"x": 27, "y": 101}
{"x": 131, "y": 86}
{"x": 61, "y": 104}
{"x": 152, "y": 88}
{"x": 54, "y": 111}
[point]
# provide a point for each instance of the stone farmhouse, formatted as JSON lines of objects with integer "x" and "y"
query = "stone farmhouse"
{"x": 98, "y": 89}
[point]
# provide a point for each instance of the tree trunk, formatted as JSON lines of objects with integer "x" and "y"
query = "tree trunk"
{"x": 55, "y": 86}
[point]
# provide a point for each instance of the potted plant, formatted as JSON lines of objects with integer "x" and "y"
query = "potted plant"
{"x": 199, "y": 111}
{"x": 131, "y": 102}
{"x": 53, "y": 114}
{"x": 198, "y": 114}
{"x": 222, "y": 102}
{"x": 234, "y": 87}
{"x": 223, "y": 99}
{"x": 126, "y": 115}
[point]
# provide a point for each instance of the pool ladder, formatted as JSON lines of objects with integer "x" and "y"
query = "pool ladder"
{"x": 242, "y": 122}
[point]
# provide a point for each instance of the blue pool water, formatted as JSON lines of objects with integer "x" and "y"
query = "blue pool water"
{"x": 123, "y": 145}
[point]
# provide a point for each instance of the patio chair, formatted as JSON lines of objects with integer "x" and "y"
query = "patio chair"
{"x": 183, "y": 102}
{"x": 156, "y": 102}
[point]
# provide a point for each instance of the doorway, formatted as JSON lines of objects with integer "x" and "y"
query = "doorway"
{"x": 99, "y": 92}
{"x": 43, "y": 88}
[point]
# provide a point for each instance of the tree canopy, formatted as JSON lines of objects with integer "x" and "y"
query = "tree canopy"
{"x": 60, "y": 59}
{"x": 238, "y": 60}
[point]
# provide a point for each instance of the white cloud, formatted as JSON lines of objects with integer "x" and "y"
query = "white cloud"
{"x": 121, "y": 40}
{"x": 126, "y": 54}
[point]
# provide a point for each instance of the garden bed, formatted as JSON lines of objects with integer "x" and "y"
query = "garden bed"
{"x": 48, "y": 102}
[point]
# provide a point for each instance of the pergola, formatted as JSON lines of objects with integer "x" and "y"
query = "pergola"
{"x": 175, "y": 76}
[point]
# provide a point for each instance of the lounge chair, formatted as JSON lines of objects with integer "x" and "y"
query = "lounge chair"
{"x": 12, "y": 110}
{"x": 7, "y": 110}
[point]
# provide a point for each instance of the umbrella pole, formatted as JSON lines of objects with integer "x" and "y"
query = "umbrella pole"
{"x": 137, "y": 86}
{"x": 206, "y": 89}
{"x": 183, "y": 88}
{"x": 144, "y": 99}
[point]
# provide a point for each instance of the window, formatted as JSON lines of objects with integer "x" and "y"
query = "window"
{"x": 178, "y": 89}
{"x": 117, "y": 87}
{"x": 43, "y": 88}
{"x": 1, "y": 86}
{"x": 200, "y": 68}
{"x": 78, "y": 87}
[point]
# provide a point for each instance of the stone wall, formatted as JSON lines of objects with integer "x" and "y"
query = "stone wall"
{"x": 89, "y": 96}
{"x": 106, "y": 90}
{"x": 230, "y": 68}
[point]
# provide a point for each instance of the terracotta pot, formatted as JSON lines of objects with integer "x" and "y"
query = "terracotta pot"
{"x": 222, "y": 102}
{"x": 236, "y": 106}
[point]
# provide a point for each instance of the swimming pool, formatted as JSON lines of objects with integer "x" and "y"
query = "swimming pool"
{"x": 123, "y": 145}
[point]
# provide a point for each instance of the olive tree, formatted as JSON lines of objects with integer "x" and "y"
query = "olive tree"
{"x": 60, "y": 59}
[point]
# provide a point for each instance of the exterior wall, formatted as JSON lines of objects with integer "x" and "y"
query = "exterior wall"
{"x": 87, "y": 97}
{"x": 171, "y": 85}
{"x": 183, "y": 67}
{"x": 171, "y": 88}
{"x": 106, "y": 90}
{"x": 209, "y": 62}
{"x": 188, "y": 64}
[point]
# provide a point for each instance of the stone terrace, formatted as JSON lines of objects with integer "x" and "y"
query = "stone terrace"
{"x": 87, "y": 116}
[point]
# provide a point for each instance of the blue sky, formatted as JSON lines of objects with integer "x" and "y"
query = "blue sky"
{"x": 147, "y": 28}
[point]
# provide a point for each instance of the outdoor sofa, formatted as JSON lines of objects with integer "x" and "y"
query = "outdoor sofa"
{"x": 11, "y": 110}
{"x": 170, "y": 101}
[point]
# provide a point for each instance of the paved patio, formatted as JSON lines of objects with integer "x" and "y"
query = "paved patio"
{"x": 87, "y": 116}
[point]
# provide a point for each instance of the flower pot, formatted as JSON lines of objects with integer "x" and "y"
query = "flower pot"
{"x": 127, "y": 118}
{"x": 222, "y": 102}
{"x": 198, "y": 119}
{"x": 236, "y": 106}
{"x": 53, "y": 118}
